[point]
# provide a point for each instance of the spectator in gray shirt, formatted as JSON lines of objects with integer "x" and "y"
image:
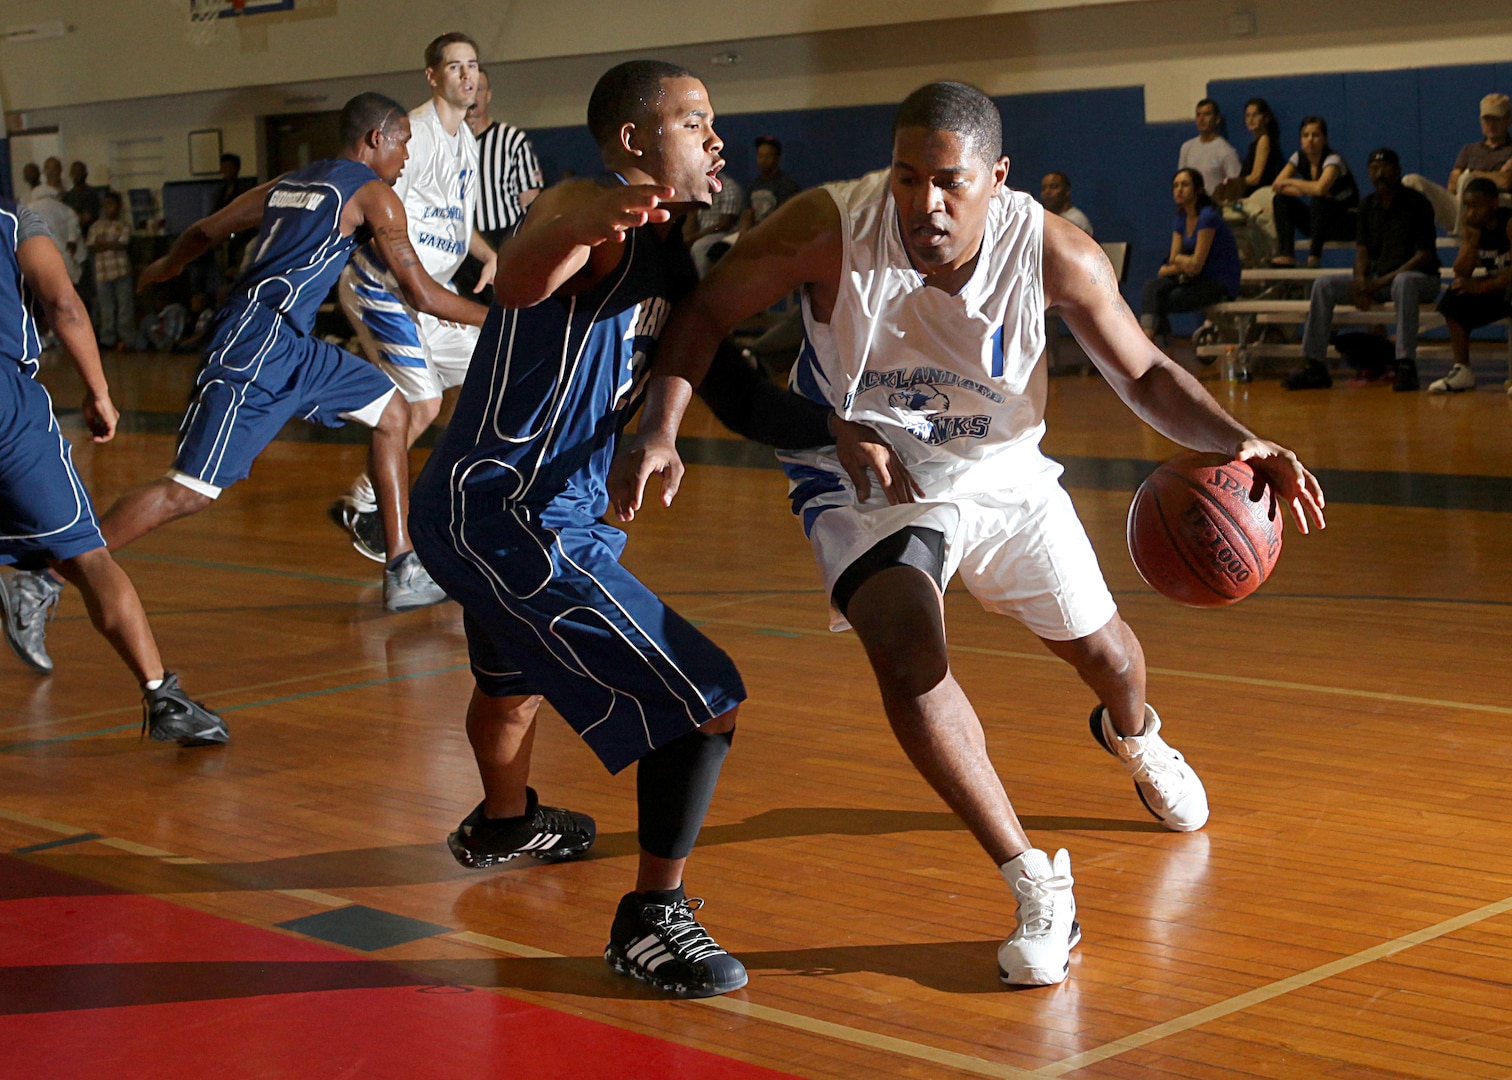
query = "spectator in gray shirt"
{"x": 1491, "y": 159}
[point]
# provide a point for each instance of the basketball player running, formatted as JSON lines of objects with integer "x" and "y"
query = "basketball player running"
{"x": 46, "y": 517}
{"x": 507, "y": 517}
{"x": 263, "y": 367}
{"x": 924, "y": 290}
{"x": 423, "y": 354}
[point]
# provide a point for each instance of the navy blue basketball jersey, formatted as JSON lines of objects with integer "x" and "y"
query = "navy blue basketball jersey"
{"x": 19, "y": 341}
{"x": 544, "y": 398}
{"x": 299, "y": 251}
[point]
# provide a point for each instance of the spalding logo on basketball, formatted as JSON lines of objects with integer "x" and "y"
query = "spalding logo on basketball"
{"x": 1196, "y": 537}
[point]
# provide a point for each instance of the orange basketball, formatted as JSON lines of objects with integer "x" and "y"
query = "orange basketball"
{"x": 1196, "y": 537}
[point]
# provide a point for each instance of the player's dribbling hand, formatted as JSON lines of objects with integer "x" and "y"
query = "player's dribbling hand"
{"x": 613, "y": 212}
{"x": 635, "y": 464}
{"x": 1277, "y": 467}
{"x": 861, "y": 449}
{"x": 100, "y": 416}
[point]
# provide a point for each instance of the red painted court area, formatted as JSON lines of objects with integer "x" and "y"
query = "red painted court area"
{"x": 98, "y": 983}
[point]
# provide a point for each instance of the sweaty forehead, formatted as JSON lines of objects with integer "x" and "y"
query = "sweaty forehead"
{"x": 682, "y": 96}
{"x": 934, "y": 150}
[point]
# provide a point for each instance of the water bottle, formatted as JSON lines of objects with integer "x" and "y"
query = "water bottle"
{"x": 1229, "y": 367}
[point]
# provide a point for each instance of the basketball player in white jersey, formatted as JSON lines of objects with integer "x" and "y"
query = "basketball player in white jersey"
{"x": 924, "y": 290}
{"x": 424, "y": 355}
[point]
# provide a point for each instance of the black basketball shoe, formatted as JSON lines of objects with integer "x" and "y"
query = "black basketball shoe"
{"x": 550, "y": 833}
{"x": 170, "y": 715}
{"x": 664, "y": 945}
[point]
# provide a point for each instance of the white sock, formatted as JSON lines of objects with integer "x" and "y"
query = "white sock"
{"x": 363, "y": 495}
{"x": 152, "y": 684}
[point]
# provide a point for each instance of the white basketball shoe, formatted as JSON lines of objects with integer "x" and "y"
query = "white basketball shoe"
{"x": 1038, "y": 953}
{"x": 1166, "y": 784}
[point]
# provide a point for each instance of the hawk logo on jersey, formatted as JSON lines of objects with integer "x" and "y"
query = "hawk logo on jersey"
{"x": 921, "y": 408}
{"x": 922, "y": 398}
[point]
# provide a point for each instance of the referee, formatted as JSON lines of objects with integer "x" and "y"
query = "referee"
{"x": 510, "y": 178}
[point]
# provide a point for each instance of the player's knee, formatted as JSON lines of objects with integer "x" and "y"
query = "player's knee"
{"x": 906, "y": 670}
{"x": 182, "y": 500}
{"x": 395, "y": 417}
{"x": 423, "y": 413}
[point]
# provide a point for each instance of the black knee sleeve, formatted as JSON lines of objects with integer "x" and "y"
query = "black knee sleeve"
{"x": 674, "y": 785}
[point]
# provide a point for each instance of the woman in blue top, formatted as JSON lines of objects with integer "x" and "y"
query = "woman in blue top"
{"x": 1203, "y": 267}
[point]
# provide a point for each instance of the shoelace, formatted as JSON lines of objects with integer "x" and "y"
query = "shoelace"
{"x": 41, "y": 603}
{"x": 1160, "y": 766}
{"x": 555, "y": 820}
{"x": 1037, "y": 899}
{"x": 688, "y": 940}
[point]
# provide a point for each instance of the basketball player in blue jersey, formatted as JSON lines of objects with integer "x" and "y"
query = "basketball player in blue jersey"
{"x": 924, "y": 288}
{"x": 507, "y": 517}
{"x": 263, "y": 367}
{"x": 424, "y": 355}
{"x": 46, "y": 517}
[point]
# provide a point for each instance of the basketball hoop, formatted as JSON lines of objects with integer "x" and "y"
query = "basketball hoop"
{"x": 205, "y": 16}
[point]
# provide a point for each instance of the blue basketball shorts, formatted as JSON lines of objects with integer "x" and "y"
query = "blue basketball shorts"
{"x": 258, "y": 375}
{"x": 45, "y": 513}
{"x": 552, "y": 612}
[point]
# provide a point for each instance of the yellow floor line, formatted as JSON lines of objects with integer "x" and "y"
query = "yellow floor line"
{"x": 136, "y": 707}
{"x": 1175, "y": 673}
{"x": 1272, "y": 990}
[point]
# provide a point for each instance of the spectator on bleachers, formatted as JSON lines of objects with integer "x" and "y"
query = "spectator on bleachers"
{"x": 1250, "y": 192}
{"x": 110, "y": 242}
{"x": 712, "y": 224}
{"x": 63, "y": 223}
{"x": 1396, "y": 259}
{"x": 52, "y": 181}
{"x": 1055, "y": 196}
{"x": 1209, "y": 152}
{"x": 771, "y": 188}
{"x": 1320, "y": 176}
{"x": 1485, "y": 245}
{"x": 1490, "y": 159}
{"x": 1203, "y": 266}
{"x": 31, "y": 175}
{"x": 83, "y": 199}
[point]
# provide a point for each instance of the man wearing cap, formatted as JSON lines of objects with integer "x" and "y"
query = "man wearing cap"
{"x": 1490, "y": 158}
{"x": 1396, "y": 259}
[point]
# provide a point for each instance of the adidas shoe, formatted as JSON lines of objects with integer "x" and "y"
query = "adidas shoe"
{"x": 1038, "y": 953}
{"x": 664, "y": 945}
{"x": 1166, "y": 784}
{"x": 28, "y": 601}
{"x": 1459, "y": 379}
{"x": 550, "y": 833}
{"x": 170, "y": 715}
{"x": 407, "y": 585}
{"x": 363, "y": 527}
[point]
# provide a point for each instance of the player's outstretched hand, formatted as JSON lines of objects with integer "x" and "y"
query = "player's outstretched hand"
{"x": 862, "y": 449}
{"x": 639, "y": 460}
{"x": 609, "y": 213}
{"x": 154, "y": 272}
{"x": 101, "y": 417}
{"x": 1277, "y": 467}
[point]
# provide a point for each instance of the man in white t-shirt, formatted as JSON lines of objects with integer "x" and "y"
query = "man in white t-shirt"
{"x": 923, "y": 290}
{"x": 1210, "y": 153}
{"x": 439, "y": 188}
{"x": 1055, "y": 196}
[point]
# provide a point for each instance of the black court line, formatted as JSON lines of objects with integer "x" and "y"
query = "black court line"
{"x": 1363, "y": 487}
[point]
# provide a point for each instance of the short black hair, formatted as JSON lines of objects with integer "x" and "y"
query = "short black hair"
{"x": 434, "y": 50}
{"x": 1209, "y": 101}
{"x": 769, "y": 140}
{"x": 232, "y": 159}
{"x": 1482, "y": 186}
{"x": 1064, "y": 178}
{"x": 956, "y": 107}
{"x": 365, "y": 113}
{"x": 626, "y": 93}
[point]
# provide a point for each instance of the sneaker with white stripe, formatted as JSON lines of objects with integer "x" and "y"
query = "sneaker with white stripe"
{"x": 664, "y": 945}
{"x": 550, "y": 833}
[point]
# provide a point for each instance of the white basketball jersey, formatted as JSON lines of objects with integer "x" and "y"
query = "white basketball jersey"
{"x": 950, "y": 380}
{"x": 439, "y": 188}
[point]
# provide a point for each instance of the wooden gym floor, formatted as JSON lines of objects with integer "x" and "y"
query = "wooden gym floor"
{"x": 286, "y": 906}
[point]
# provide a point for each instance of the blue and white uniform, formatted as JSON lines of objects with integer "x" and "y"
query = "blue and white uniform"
{"x": 44, "y": 510}
{"x": 439, "y": 188}
{"x": 955, "y": 384}
{"x": 262, "y": 367}
{"x": 506, "y": 517}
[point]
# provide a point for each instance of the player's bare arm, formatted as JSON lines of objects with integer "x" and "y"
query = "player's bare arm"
{"x": 570, "y": 238}
{"x": 242, "y": 213}
{"x": 798, "y": 245}
{"x": 1080, "y": 281}
{"x": 478, "y": 248}
{"x": 46, "y": 276}
{"x": 384, "y": 214}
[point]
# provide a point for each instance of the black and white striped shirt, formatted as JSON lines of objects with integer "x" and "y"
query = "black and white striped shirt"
{"x": 509, "y": 169}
